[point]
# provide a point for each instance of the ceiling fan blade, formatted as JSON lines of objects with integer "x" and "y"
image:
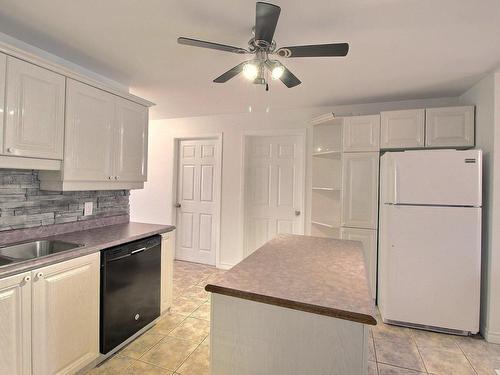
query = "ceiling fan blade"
{"x": 316, "y": 50}
{"x": 289, "y": 79}
{"x": 266, "y": 19}
{"x": 231, "y": 73}
{"x": 210, "y": 45}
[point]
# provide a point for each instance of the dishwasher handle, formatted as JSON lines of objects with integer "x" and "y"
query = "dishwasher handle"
{"x": 138, "y": 250}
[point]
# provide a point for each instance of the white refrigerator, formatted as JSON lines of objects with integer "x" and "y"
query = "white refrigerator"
{"x": 429, "y": 269}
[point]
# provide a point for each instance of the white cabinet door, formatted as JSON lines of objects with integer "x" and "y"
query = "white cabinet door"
{"x": 361, "y": 133}
{"x": 131, "y": 141}
{"x": 34, "y": 125}
{"x": 3, "y": 68}
{"x": 15, "y": 325}
{"x": 167, "y": 270}
{"x": 402, "y": 129}
{"x": 360, "y": 190}
{"x": 88, "y": 140}
{"x": 449, "y": 127}
{"x": 368, "y": 237}
{"x": 65, "y": 322}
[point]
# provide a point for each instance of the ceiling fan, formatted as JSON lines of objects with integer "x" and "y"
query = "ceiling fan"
{"x": 263, "y": 46}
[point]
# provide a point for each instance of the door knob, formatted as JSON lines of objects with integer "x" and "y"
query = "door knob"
{"x": 297, "y": 212}
{"x": 178, "y": 205}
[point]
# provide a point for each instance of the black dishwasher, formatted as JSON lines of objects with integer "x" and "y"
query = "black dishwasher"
{"x": 130, "y": 289}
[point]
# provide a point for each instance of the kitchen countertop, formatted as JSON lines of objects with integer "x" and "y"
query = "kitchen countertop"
{"x": 94, "y": 240}
{"x": 318, "y": 275}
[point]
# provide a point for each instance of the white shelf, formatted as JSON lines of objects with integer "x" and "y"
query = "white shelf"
{"x": 328, "y": 154}
{"x": 325, "y": 188}
{"x": 331, "y": 226}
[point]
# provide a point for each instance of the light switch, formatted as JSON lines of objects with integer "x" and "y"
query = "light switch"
{"x": 88, "y": 208}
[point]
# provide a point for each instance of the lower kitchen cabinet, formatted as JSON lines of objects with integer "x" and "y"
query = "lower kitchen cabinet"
{"x": 15, "y": 325}
{"x": 368, "y": 237}
{"x": 65, "y": 321}
{"x": 167, "y": 270}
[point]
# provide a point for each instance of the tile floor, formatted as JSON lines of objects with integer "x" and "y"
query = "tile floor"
{"x": 179, "y": 343}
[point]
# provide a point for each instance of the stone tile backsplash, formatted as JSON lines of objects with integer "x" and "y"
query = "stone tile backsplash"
{"x": 24, "y": 205}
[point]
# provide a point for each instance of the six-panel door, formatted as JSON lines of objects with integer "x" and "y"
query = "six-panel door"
{"x": 402, "y": 129}
{"x": 449, "y": 127}
{"x": 130, "y": 141}
{"x": 65, "y": 321}
{"x": 360, "y": 190}
{"x": 88, "y": 139}
{"x": 361, "y": 133}
{"x": 34, "y": 125}
{"x": 15, "y": 325}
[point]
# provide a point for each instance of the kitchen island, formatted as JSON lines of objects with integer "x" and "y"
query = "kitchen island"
{"x": 297, "y": 305}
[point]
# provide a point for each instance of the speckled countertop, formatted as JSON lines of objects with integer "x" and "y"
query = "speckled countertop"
{"x": 318, "y": 275}
{"x": 94, "y": 240}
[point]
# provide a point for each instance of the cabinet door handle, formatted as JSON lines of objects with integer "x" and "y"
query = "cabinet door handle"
{"x": 27, "y": 279}
{"x": 116, "y": 177}
{"x": 10, "y": 150}
{"x": 39, "y": 275}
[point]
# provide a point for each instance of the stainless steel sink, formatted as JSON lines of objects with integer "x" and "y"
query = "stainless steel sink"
{"x": 35, "y": 249}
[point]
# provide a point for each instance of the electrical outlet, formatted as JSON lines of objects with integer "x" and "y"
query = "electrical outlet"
{"x": 88, "y": 208}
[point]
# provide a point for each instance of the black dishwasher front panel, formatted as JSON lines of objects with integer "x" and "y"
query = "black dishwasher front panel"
{"x": 130, "y": 290}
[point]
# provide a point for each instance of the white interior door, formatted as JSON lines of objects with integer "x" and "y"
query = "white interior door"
{"x": 274, "y": 188}
{"x": 198, "y": 197}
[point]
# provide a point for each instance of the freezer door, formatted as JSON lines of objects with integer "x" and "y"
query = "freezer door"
{"x": 434, "y": 177}
{"x": 430, "y": 266}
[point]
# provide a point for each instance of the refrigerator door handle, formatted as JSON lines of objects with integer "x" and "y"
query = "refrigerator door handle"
{"x": 396, "y": 187}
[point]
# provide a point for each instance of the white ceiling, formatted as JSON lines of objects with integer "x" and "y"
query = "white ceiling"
{"x": 400, "y": 49}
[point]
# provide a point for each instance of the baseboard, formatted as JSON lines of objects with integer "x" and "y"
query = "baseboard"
{"x": 225, "y": 266}
{"x": 492, "y": 337}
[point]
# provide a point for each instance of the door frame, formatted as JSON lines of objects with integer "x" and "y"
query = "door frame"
{"x": 218, "y": 137}
{"x": 302, "y": 134}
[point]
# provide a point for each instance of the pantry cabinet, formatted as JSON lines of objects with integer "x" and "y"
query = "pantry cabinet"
{"x": 167, "y": 270}
{"x": 34, "y": 124}
{"x": 361, "y": 133}
{"x": 402, "y": 129}
{"x": 65, "y": 321}
{"x": 15, "y": 324}
{"x": 360, "y": 190}
{"x": 368, "y": 238}
{"x": 449, "y": 127}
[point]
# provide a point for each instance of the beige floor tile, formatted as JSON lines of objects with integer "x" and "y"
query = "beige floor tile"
{"x": 185, "y": 306}
{"x": 485, "y": 364}
{"x": 442, "y": 362}
{"x": 170, "y": 353}
{"x": 382, "y": 330}
{"x": 116, "y": 365}
{"x": 197, "y": 363}
{"x": 402, "y": 353}
{"x": 477, "y": 345}
{"x": 372, "y": 368}
{"x": 192, "y": 329}
{"x": 426, "y": 339}
{"x": 202, "y": 312}
{"x": 371, "y": 350}
{"x": 392, "y": 370}
{"x": 142, "y": 368}
{"x": 167, "y": 323}
{"x": 196, "y": 292}
{"x": 141, "y": 345}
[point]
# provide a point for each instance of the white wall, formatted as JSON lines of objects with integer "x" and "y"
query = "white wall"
{"x": 154, "y": 203}
{"x": 482, "y": 95}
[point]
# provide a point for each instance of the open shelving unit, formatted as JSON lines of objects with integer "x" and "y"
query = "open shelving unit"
{"x": 326, "y": 177}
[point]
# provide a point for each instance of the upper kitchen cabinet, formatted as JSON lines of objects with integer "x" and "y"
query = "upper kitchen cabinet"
{"x": 34, "y": 121}
{"x": 449, "y": 127}
{"x": 131, "y": 141}
{"x": 361, "y": 133}
{"x": 402, "y": 129}
{"x": 105, "y": 142}
{"x": 89, "y": 135}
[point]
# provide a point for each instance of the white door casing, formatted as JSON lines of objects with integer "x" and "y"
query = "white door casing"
{"x": 34, "y": 125}
{"x": 198, "y": 194}
{"x": 15, "y": 325}
{"x": 273, "y": 188}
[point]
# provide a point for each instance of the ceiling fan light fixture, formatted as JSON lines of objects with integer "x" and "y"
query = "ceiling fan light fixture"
{"x": 250, "y": 71}
{"x": 277, "y": 71}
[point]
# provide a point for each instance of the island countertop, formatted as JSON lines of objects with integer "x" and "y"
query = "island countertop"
{"x": 318, "y": 275}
